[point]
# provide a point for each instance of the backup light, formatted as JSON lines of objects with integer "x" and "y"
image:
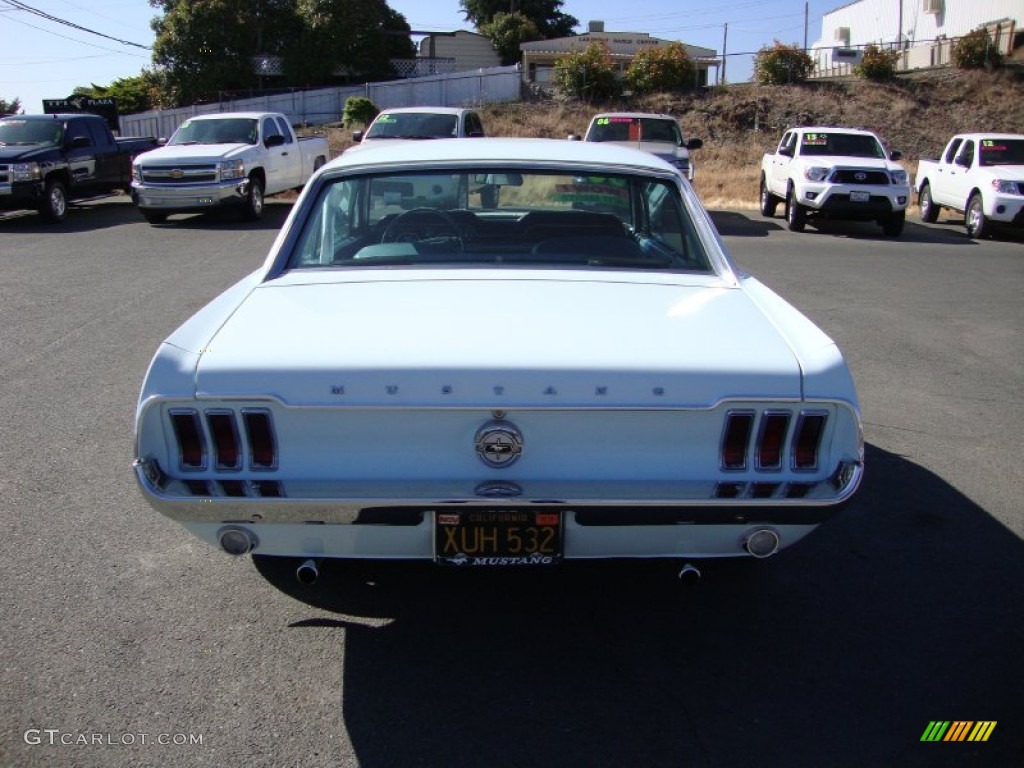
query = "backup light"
{"x": 763, "y": 542}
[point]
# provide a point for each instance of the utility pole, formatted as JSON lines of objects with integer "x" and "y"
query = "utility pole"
{"x": 805, "y": 26}
{"x": 725, "y": 43}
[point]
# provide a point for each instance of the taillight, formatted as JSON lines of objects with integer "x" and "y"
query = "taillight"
{"x": 189, "y": 434}
{"x": 260, "y": 433}
{"x": 807, "y": 440}
{"x": 225, "y": 439}
{"x": 736, "y": 438}
{"x": 771, "y": 439}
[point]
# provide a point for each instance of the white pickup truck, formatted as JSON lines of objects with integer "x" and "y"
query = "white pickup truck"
{"x": 839, "y": 173}
{"x": 655, "y": 133}
{"x": 224, "y": 159}
{"x": 980, "y": 175}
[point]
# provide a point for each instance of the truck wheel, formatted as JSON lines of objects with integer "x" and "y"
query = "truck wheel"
{"x": 252, "y": 209}
{"x": 929, "y": 210}
{"x": 893, "y": 225}
{"x": 796, "y": 214}
{"x": 54, "y": 205}
{"x": 978, "y": 226}
{"x": 154, "y": 217}
{"x": 768, "y": 201}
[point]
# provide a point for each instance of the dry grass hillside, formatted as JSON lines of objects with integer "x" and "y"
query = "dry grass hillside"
{"x": 738, "y": 123}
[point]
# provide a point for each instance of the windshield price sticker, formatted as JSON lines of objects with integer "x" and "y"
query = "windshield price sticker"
{"x": 490, "y": 537}
{"x": 815, "y": 139}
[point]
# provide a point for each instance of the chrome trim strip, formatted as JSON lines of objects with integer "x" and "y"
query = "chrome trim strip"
{"x": 192, "y": 509}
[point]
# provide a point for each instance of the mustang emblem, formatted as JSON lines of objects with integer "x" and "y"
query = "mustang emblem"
{"x": 498, "y": 444}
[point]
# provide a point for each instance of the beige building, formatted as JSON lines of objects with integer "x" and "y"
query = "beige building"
{"x": 539, "y": 57}
{"x": 457, "y": 51}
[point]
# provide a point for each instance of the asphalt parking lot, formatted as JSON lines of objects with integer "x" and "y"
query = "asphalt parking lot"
{"x": 125, "y": 642}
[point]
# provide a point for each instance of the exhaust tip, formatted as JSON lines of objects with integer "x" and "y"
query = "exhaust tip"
{"x": 307, "y": 573}
{"x": 763, "y": 542}
{"x": 689, "y": 575}
{"x": 236, "y": 541}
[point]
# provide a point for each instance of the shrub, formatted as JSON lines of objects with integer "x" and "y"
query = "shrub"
{"x": 661, "y": 68}
{"x": 877, "y": 64}
{"x": 975, "y": 50}
{"x": 781, "y": 64}
{"x": 358, "y": 109}
{"x": 587, "y": 74}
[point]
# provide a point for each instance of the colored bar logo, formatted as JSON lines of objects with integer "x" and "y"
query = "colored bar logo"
{"x": 958, "y": 730}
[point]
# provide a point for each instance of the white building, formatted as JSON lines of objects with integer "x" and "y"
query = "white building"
{"x": 924, "y": 30}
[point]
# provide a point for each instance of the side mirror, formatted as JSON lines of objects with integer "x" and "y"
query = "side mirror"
{"x": 895, "y": 156}
{"x": 786, "y": 151}
{"x": 694, "y": 144}
{"x": 575, "y": 137}
{"x": 276, "y": 140}
{"x": 80, "y": 142}
{"x": 963, "y": 162}
{"x": 357, "y": 136}
{"x": 161, "y": 141}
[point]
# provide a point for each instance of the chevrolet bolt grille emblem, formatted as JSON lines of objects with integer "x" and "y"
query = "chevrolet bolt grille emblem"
{"x": 498, "y": 444}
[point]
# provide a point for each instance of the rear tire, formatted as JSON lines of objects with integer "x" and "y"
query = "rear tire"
{"x": 54, "y": 205}
{"x": 978, "y": 225}
{"x": 769, "y": 202}
{"x": 252, "y": 209}
{"x": 893, "y": 226}
{"x": 929, "y": 210}
{"x": 796, "y": 214}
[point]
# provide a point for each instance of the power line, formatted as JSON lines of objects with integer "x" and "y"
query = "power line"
{"x": 18, "y": 5}
{"x": 72, "y": 39}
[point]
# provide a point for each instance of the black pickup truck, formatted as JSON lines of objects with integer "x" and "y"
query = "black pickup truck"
{"x": 47, "y": 161}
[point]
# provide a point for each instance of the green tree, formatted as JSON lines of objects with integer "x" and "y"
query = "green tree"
{"x": 661, "y": 68}
{"x": 352, "y": 40}
{"x": 358, "y": 109}
{"x": 550, "y": 21}
{"x": 508, "y": 31}
{"x": 587, "y": 74}
{"x": 10, "y": 107}
{"x": 208, "y": 47}
{"x": 781, "y": 64}
{"x": 877, "y": 64}
{"x": 975, "y": 50}
{"x": 134, "y": 94}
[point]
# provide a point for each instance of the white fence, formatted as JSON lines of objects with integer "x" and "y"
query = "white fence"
{"x": 325, "y": 105}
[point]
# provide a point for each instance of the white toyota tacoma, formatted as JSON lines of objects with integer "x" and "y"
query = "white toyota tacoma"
{"x": 980, "y": 175}
{"x": 225, "y": 159}
{"x": 839, "y": 173}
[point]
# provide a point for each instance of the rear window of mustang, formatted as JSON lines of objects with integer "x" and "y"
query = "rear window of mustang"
{"x": 492, "y": 217}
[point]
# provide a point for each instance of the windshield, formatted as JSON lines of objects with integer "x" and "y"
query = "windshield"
{"x": 1002, "y": 152}
{"x": 841, "y": 144}
{"x": 413, "y": 125}
{"x": 635, "y": 129}
{"x": 44, "y": 132}
{"x": 500, "y": 216}
{"x": 232, "y": 130}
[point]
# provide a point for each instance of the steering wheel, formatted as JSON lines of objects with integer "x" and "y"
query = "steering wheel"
{"x": 428, "y": 227}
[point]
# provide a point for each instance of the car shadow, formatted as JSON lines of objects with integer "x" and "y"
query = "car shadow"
{"x": 274, "y": 214}
{"x": 904, "y": 609}
{"x": 82, "y": 217}
{"x": 735, "y": 224}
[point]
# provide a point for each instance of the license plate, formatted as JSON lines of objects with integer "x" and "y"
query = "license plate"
{"x": 860, "y": 197}
{"x": 489, "y": 537}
